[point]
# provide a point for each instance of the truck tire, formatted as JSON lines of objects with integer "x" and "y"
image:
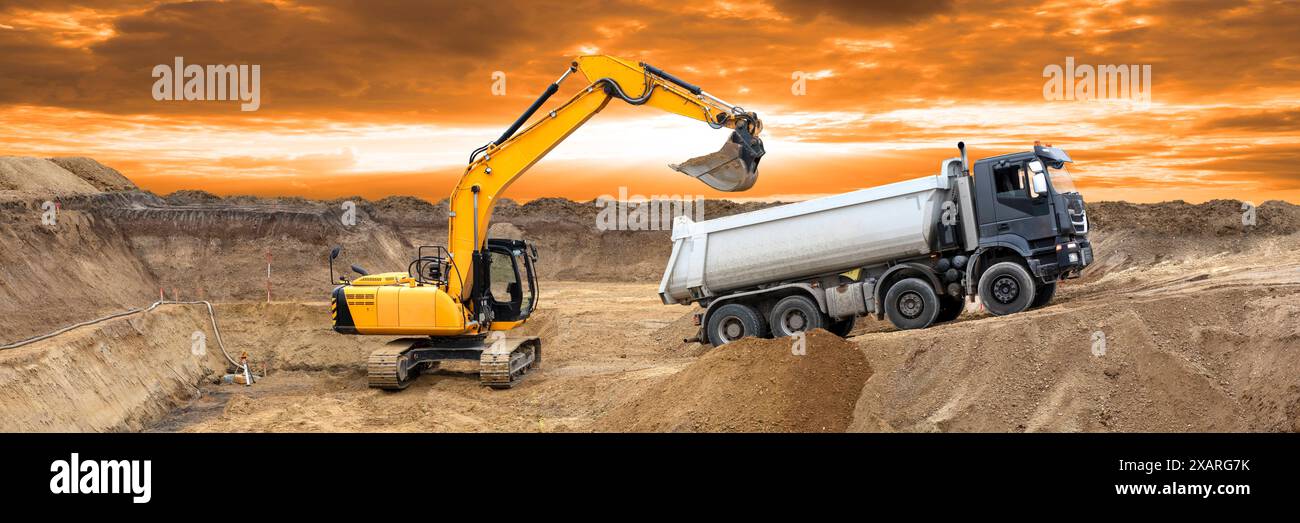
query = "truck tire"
{"x": 1006, "y": 288}
{"x": 796, "y": 313}
{"x": 1043, "y": 295}
{"x": 911, "y": 304}
{"x": 843, "y": 327}
{"x": 734, "y": 321}
{"x": 949, "y": 308}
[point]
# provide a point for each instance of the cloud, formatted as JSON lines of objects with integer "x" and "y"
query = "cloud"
{"x": 892, "y": 85}
{"x": 1260, "y": 121}
{"x": 306, "y": 164}
{"x": 1272, "y": 166}
{"x": 886, "y": 12}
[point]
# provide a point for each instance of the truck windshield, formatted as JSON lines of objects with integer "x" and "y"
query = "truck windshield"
{"x": 1061, "y": 180}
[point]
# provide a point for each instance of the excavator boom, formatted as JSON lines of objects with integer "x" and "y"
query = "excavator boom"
{"x": 495, "y": 166}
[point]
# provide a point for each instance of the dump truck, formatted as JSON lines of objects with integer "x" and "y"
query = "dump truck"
{"x": 915, "y": 251}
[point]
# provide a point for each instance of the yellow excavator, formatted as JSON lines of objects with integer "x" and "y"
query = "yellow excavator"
{"x": 457, "y": 302}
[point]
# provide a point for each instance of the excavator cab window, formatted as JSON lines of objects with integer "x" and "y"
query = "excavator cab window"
{"x": 504, "y": 278}
{"x": 512, "y": 286}
{"x": 529, "y": 283}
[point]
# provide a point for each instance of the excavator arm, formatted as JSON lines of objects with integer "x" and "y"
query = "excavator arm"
{"x": 493, "y": 167}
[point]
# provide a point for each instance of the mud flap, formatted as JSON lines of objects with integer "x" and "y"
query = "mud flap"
{"x": 732, "y": 168}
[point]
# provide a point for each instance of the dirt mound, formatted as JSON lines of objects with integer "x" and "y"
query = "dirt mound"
{"x": 192, "y": 198}
{"x": 673, "y": 336}
{"x": 24, "y": 177}
{"x": 409, "y": 209}
{"x": 1127, "y": 235}
{"x": 1185, "y": 220}
{"x": 102, "y": 177}
{"x": 1210, "y": 355}
{"x": 754, "y": 385}
{"x": 294, "y": 336}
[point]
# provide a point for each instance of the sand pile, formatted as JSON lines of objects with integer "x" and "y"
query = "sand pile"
{"x": 102, "y": 177}
{"x": 1211, "y": 355}
{"x": 1182, "y": 219}
{"x": 753, "y": 385}
{"x": 24, "y": 177}
{"x": 294, "y": 336}
{"x": 1127, "y": 235}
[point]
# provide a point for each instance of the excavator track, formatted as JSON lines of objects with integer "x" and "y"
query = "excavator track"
{"x": 504, "y": 363}
{"x": 390, "y": 368}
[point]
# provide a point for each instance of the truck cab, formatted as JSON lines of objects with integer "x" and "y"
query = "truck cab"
{"x": 1027, "y": 203}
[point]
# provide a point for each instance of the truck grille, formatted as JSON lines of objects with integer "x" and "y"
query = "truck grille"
{"x": 1079, "y": 220}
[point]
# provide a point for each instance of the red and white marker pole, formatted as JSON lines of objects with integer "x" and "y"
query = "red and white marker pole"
{"x": 268, "y": 276}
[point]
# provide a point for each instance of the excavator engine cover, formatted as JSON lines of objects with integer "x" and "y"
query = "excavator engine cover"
{"x": 733, "y": 168}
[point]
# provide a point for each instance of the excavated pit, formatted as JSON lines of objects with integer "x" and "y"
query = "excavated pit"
{"x": 1198, "y": 313}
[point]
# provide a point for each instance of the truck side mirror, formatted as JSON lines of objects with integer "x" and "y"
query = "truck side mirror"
{"x": 1040, "y": 182}
{"x": 334, "y": 253}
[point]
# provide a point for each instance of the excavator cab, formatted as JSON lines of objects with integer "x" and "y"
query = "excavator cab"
{"x": 511, "y": 290}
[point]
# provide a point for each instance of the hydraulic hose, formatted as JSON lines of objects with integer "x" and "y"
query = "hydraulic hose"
{"x": 211, "y": 314}
{"x": 694, "y": 89}
{"x": 614, "y": 89}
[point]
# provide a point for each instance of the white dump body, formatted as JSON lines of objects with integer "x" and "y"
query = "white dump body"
{"x": 804, "y": 239}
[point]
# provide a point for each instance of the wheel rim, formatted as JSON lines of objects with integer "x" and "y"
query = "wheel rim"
{"x": 1006, "y": 289}
{"x": 794, "y": 321}
{"x": 731, "y": 328}
{"x": 910, "y": 305}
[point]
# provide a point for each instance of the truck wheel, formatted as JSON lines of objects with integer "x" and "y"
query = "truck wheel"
{"x": 734, "y": 321}
{"x": 843, "y": 327}
{"x": 949, "y": 308}
{"x": 911, "y": 304}
{"x": 1006, "y": 288}
{"x": 1043, "y": 295}
{"x": 796, "y": 314}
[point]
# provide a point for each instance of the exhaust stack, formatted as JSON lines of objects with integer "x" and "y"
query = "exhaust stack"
{"x": 965, "y": 167}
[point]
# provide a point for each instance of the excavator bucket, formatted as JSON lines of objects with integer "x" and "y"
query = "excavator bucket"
{"x": 733, "y": 168}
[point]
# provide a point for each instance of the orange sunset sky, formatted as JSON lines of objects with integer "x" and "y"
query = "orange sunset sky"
{"x": 374, "y": 98}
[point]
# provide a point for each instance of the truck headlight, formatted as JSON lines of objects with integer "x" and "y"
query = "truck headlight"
{"x": 1074, "y": 257}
